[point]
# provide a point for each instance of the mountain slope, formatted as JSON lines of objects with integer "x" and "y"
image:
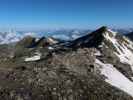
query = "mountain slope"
{"x": 110, "y": 44}
{"x": 112, "y": 48}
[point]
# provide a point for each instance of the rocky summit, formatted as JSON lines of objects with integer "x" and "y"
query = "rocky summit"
{"x": 96, "y": 66}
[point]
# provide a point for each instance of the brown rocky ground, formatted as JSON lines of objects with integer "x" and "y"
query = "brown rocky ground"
{"x": 67, "y": 75}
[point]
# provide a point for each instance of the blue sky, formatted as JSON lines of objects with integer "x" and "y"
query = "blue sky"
{"x": 65, "y": 13}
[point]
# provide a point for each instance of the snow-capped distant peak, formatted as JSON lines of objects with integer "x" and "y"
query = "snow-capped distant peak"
{"x": 10, "y": 37}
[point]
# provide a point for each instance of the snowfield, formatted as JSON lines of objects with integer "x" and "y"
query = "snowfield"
{"x": 34, "y": 58}
{"x": 50, "y": 48}
{"x": 114, "y": 77}
{"x": 124, "y": 52}
{"x": 97, "y": 53}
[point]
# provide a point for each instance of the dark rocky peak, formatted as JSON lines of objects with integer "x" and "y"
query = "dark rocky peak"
{"x": 31, "y": 42}
{"x": 130, "y": 35}
{"x": 40, "y": 42}
{"x": 44, "y": 42}
{"x": 93, "y": 39}
{"x": 26, "y": 42}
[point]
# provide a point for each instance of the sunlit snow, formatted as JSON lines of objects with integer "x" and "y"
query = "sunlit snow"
{"x": 97, "y": 53}
{"x": 123, "y": 52}
{"x": 36, "y": 57}
{"x": 115, "y": 78}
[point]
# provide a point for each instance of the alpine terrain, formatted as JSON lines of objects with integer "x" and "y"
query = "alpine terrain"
{"x": 96, "y": 66}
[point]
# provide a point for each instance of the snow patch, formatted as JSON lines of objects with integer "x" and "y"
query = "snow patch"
{"x": 114, "y": 33}
{"x": 36, "y": 57}
{"x": 52, "y": 40}
{"x": 126, "y": 55}
{"x": 50, "y": 48}
{"x": 112, "y": 39}
{"x": 98, "y": 53}
{"x": 115, "y": 78}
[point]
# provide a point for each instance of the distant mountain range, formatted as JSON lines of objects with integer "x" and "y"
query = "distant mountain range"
{"x": 67, "y": 35}
{"x": 9, "y": 37}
